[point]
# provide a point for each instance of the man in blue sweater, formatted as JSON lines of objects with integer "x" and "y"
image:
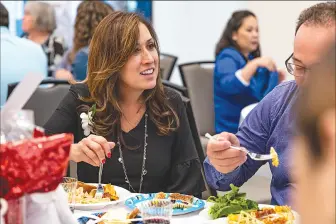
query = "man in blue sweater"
{"x": 270, "y": 123}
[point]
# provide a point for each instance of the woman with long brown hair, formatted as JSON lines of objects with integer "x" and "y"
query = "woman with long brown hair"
{"x": 74, "y": 62}
{"x": 123, "y": 101}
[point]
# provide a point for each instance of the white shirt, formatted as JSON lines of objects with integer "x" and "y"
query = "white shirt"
{"x": 19, "y": 57}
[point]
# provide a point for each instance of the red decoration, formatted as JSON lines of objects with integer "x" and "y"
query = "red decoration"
{"x": 38, "y": 132}
{"x": 33, "y": 165}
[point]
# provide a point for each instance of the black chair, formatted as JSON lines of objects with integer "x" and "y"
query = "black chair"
{"x": 167, "y": 64}
{"x": 198, "y": 145}
{"x": 45, "y": 99}
{"x": 180, "y": 89}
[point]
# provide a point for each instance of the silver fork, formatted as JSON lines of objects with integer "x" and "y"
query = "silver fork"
{"x": 100, "y": 188}
{"x": 253, "y": 155}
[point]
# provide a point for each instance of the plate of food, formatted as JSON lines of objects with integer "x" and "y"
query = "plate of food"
{"x": 183, "y": 204}
{"x": 234, "y": 208}
{"x": 85, "y": 192}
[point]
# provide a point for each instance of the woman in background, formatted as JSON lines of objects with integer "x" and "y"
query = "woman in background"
{"x": 39, "y": 23}
{"x": 123, "y": 101}
{"x": 241, "y": 76}
{"x": 74, "y": 62}
{"x": 314, "y": 154}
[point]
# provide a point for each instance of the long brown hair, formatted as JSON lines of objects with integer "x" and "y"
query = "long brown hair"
{"x": 113, "y": 42}
{"x": 89, "y": 15}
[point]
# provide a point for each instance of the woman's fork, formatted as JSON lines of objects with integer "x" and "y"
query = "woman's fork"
{"x": 253, "y": 155}
{"x": 100, "y": 188}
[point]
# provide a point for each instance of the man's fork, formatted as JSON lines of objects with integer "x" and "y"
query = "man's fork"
{"x": 253, "y": 155}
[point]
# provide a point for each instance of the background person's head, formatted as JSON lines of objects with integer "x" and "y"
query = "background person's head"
{"x": 241, "y": 32}
{"x": 38, "y": 16}
{"x": 314, "y": 148}
{"x": 315, "y": 33}
{"x": 4, "y": 17}
{"x": 123, "y": 61}
{"x": 89, "y": 14}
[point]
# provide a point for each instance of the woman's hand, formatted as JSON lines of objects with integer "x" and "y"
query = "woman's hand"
{"x": 93, "y": 150}
{"x": 63, "y": 74}
{"x": 266, "y": 62}
{"x": 251, "y": 67}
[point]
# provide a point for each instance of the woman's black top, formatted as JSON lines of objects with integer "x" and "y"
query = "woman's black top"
{"x": 172, "y": 162}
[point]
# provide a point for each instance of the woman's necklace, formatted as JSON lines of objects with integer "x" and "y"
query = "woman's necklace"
{"x": 143, "y": 170}
{"x": 130, "y": 124}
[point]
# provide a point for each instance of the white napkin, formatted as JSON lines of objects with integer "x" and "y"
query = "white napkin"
{"x": 51, "y": 207}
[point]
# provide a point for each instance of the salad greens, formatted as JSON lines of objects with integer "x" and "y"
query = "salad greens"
{"x": 231, "y": 203}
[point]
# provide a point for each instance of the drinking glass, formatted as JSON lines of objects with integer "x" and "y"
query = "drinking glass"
{"x": 158, "y": 211}
{"x": 69, "y": 185}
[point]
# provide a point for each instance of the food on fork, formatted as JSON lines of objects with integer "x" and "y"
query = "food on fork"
{"x": 275, "y": 159}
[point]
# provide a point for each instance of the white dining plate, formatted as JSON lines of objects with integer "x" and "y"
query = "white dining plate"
{"x": 206, "y": 219}
{"x": 122, "y": 193}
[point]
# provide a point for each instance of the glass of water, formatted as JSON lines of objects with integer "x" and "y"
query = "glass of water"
{"x": 69, "y": 185}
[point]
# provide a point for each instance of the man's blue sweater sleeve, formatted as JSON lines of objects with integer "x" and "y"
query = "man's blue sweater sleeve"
{"x": 253, "y": 134}
{"x": 218, "y": 180}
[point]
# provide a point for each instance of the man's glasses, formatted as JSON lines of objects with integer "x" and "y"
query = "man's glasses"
{"x": 293, "y": 69}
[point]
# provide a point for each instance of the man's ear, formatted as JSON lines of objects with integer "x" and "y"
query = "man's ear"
{"x": 326, "y": 129}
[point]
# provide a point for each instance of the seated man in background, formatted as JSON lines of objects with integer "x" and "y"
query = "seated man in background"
{"x": 314, "y": 154}
{"x": 18, "y": 56}
{"x": 270, "y": 123}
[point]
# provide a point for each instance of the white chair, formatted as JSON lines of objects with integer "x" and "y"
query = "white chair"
{"x": 245, "y": 111}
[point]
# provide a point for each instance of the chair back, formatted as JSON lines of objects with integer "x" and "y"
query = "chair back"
{"x": 197, "y": 77}
{"x": 179, "y": 89}
{"x": 209, "y": 191}
{"x": 45, "y": 99}
{"x": 167, "y": 64}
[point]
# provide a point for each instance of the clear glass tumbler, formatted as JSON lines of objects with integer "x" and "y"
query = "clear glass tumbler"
{"x": 69, "y": 185}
